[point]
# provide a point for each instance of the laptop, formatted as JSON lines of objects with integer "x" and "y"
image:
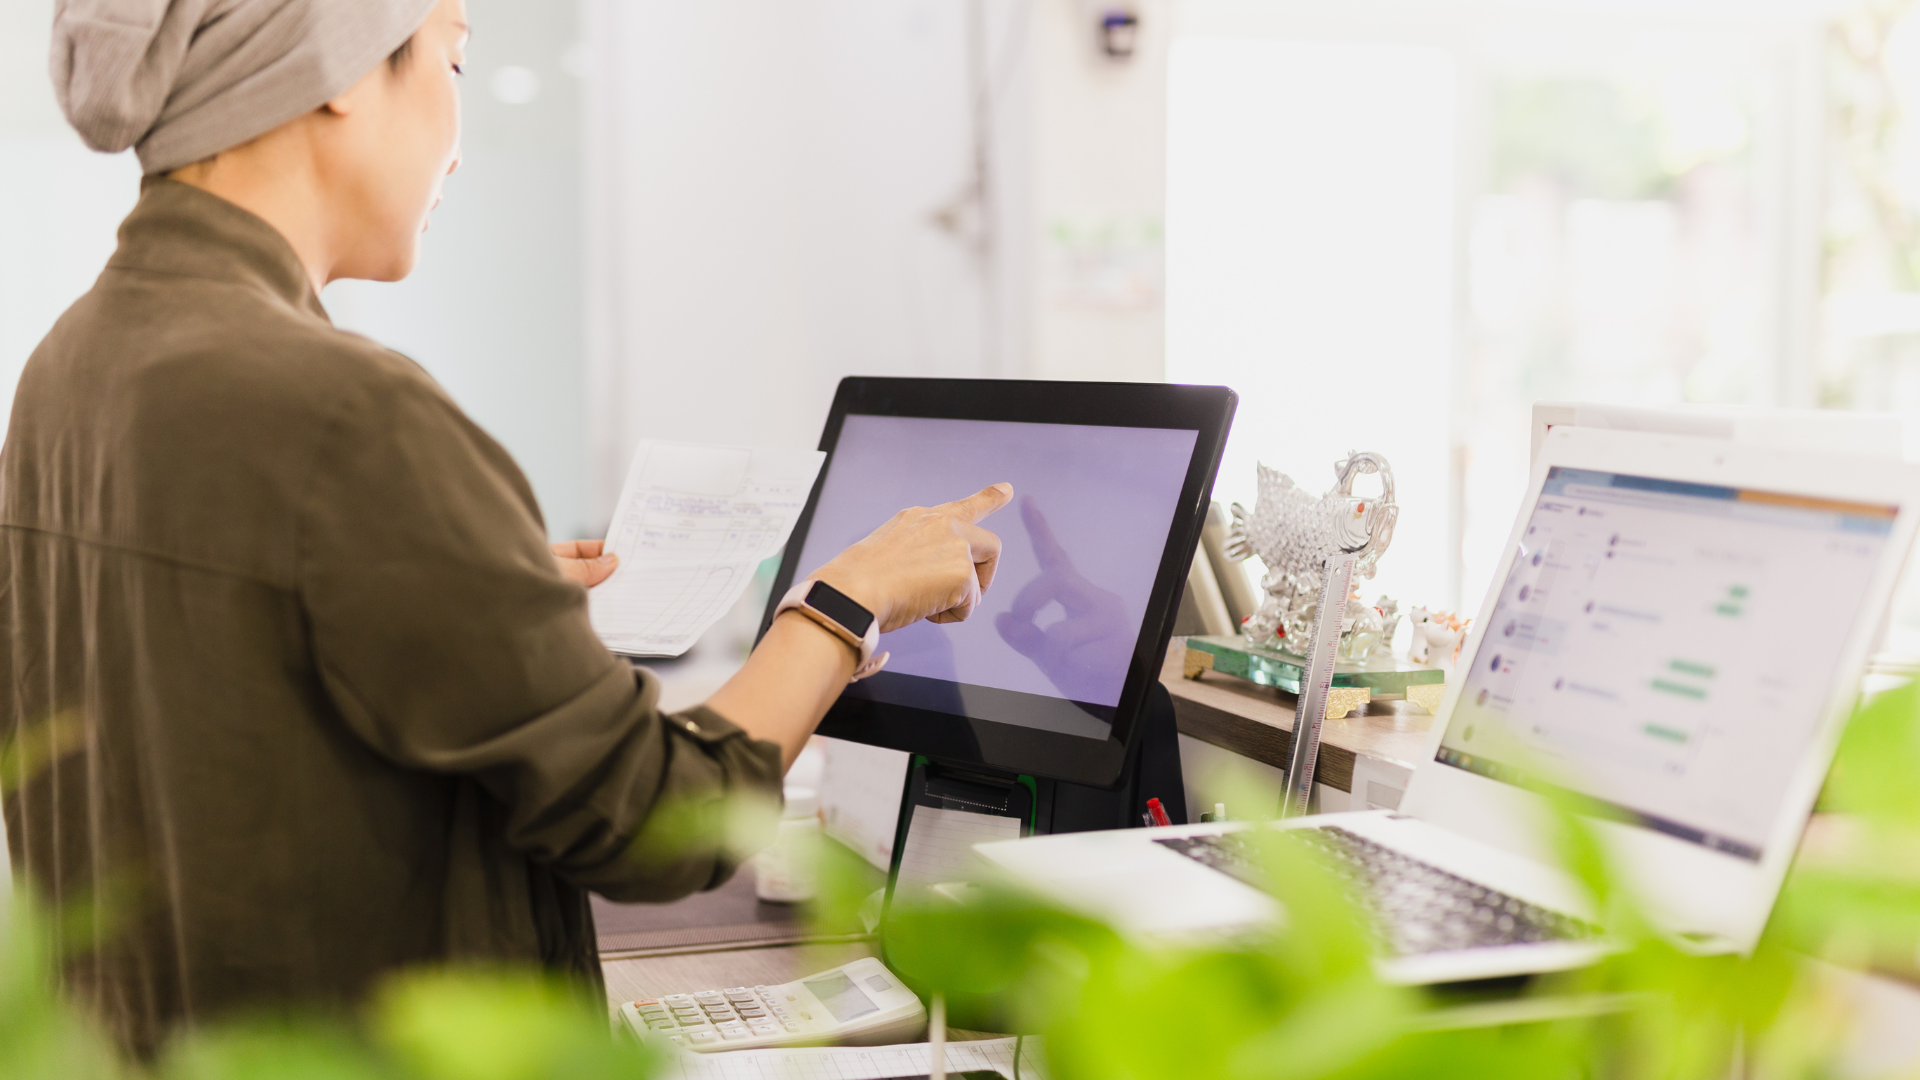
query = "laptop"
{"x": 1677, "y": 631}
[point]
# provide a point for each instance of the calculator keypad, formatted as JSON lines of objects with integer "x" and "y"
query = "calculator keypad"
{"x": 723, "y": 1015}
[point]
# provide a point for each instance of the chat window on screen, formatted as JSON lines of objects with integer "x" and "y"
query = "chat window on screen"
{"x": 1667, "y": 647}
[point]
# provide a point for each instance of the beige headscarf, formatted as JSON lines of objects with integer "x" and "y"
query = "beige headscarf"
{"x": 182, "y": 80}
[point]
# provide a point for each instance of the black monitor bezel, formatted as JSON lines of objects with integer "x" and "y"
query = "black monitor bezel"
{"x": 1206, "y": 410}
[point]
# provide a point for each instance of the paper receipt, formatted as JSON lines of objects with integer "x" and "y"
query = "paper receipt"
{"x": 692, "y": 523}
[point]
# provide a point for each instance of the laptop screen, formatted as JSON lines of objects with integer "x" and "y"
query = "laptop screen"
{"x": 1667, "y": 648}
{"x": 1050, "y": 645}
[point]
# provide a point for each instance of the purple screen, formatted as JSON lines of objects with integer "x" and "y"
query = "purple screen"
{"x": 1081, "y": 545}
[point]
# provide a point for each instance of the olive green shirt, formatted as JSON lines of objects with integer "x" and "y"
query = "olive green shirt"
{"x": 293, "y": 690}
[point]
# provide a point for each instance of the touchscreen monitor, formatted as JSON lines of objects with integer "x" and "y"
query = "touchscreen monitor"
{"x": 1051, "y": 641}
{"x": 1110, "y": 483}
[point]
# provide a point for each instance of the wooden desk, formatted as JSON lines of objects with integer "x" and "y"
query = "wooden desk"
{"x": 1383, "y": 739}
{"x": 729, "y": 917}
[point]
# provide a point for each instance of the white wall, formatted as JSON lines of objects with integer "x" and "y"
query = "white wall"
{"x": 1310, "y": 266}
{"x": 763, "y": 175}
{"x": 494, "y": 310}
{"x": 62, "y": 202}
{"x": 1307, "y": 257}
{"x": 1096, "y": 238}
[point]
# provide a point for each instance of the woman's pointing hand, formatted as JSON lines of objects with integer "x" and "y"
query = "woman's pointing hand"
{"x": 924, "y": 563}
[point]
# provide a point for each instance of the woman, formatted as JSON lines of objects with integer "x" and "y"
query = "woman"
{"x": 298, "y": 692}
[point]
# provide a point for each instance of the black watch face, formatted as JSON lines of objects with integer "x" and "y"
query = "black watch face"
{"x": 839, "y": 607}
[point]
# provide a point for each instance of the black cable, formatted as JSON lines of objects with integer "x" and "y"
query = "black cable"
{"x": 1017, "y": 1041}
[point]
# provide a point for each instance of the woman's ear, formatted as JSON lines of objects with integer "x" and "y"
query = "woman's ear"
{"x": 347, "y": 101}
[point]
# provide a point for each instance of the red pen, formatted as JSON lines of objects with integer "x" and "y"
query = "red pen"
{"x": 1159, "y": 812}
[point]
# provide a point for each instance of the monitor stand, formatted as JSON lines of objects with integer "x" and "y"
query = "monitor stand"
{"x": 945, "y": 809}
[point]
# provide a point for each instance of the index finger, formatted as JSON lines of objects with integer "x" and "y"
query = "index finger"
{"x": 981, "y": 503}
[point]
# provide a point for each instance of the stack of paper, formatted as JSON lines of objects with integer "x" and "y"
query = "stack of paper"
{"x": 692, "y": 523}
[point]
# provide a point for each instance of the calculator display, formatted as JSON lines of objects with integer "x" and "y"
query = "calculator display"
{"x": 843, "y": 999}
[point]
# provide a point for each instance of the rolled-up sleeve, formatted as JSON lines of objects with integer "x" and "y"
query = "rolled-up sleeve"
{"x": 450, "y": 643}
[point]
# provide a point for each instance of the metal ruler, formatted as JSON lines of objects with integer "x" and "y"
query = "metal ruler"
{"x": 1336, "y": 579}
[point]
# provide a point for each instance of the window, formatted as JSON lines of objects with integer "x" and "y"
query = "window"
{"x": 1310, "y": 265}
{"x": 1396, "y": 234}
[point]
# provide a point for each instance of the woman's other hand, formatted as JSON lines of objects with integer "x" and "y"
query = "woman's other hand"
{"x": 585, "y": 562}
{"x": 925, "y": 563}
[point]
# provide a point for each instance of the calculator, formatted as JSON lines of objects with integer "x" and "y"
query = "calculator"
{"x": 858, "y": 1004}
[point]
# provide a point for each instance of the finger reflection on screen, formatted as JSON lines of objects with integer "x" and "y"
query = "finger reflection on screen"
{"x": 1074, "y": 651}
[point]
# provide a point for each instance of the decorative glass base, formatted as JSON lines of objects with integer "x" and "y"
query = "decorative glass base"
{"x": 1354, "y": 684}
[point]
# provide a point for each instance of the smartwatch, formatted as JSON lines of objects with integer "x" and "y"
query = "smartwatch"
{"x": 843, "y": 617}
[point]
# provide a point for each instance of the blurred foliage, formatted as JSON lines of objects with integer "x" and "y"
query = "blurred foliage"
{"x": 1869, "y": 120}
{"x": 1854, "y": 897}
{"x": 1300, "y": 1000}
{"x": 1621, "y": 138}
{"x": 1304, "y": 1002}
{"x": 40, "y": 1038}
{"x": 454, "y": 1024}
{"x": 1593, "y": 136}
{"x": 1872, "y": 241}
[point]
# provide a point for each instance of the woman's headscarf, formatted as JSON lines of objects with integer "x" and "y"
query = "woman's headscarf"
{"x": 182, "y": 80}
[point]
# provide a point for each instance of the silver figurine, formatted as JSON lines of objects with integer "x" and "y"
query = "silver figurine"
{"x": 1293, "y": 533}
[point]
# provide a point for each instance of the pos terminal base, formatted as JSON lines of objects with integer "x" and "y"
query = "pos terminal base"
{"x": 947, "y": 808}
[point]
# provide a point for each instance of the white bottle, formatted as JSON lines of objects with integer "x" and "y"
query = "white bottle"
{"x": 788, "y": 871}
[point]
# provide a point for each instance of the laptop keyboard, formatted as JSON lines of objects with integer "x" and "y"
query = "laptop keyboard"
{"x": 1417, "y": 907}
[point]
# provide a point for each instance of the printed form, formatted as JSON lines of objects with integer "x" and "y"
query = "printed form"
{"x": 692, "y": 524}
{"x": 856, "y": 1062}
